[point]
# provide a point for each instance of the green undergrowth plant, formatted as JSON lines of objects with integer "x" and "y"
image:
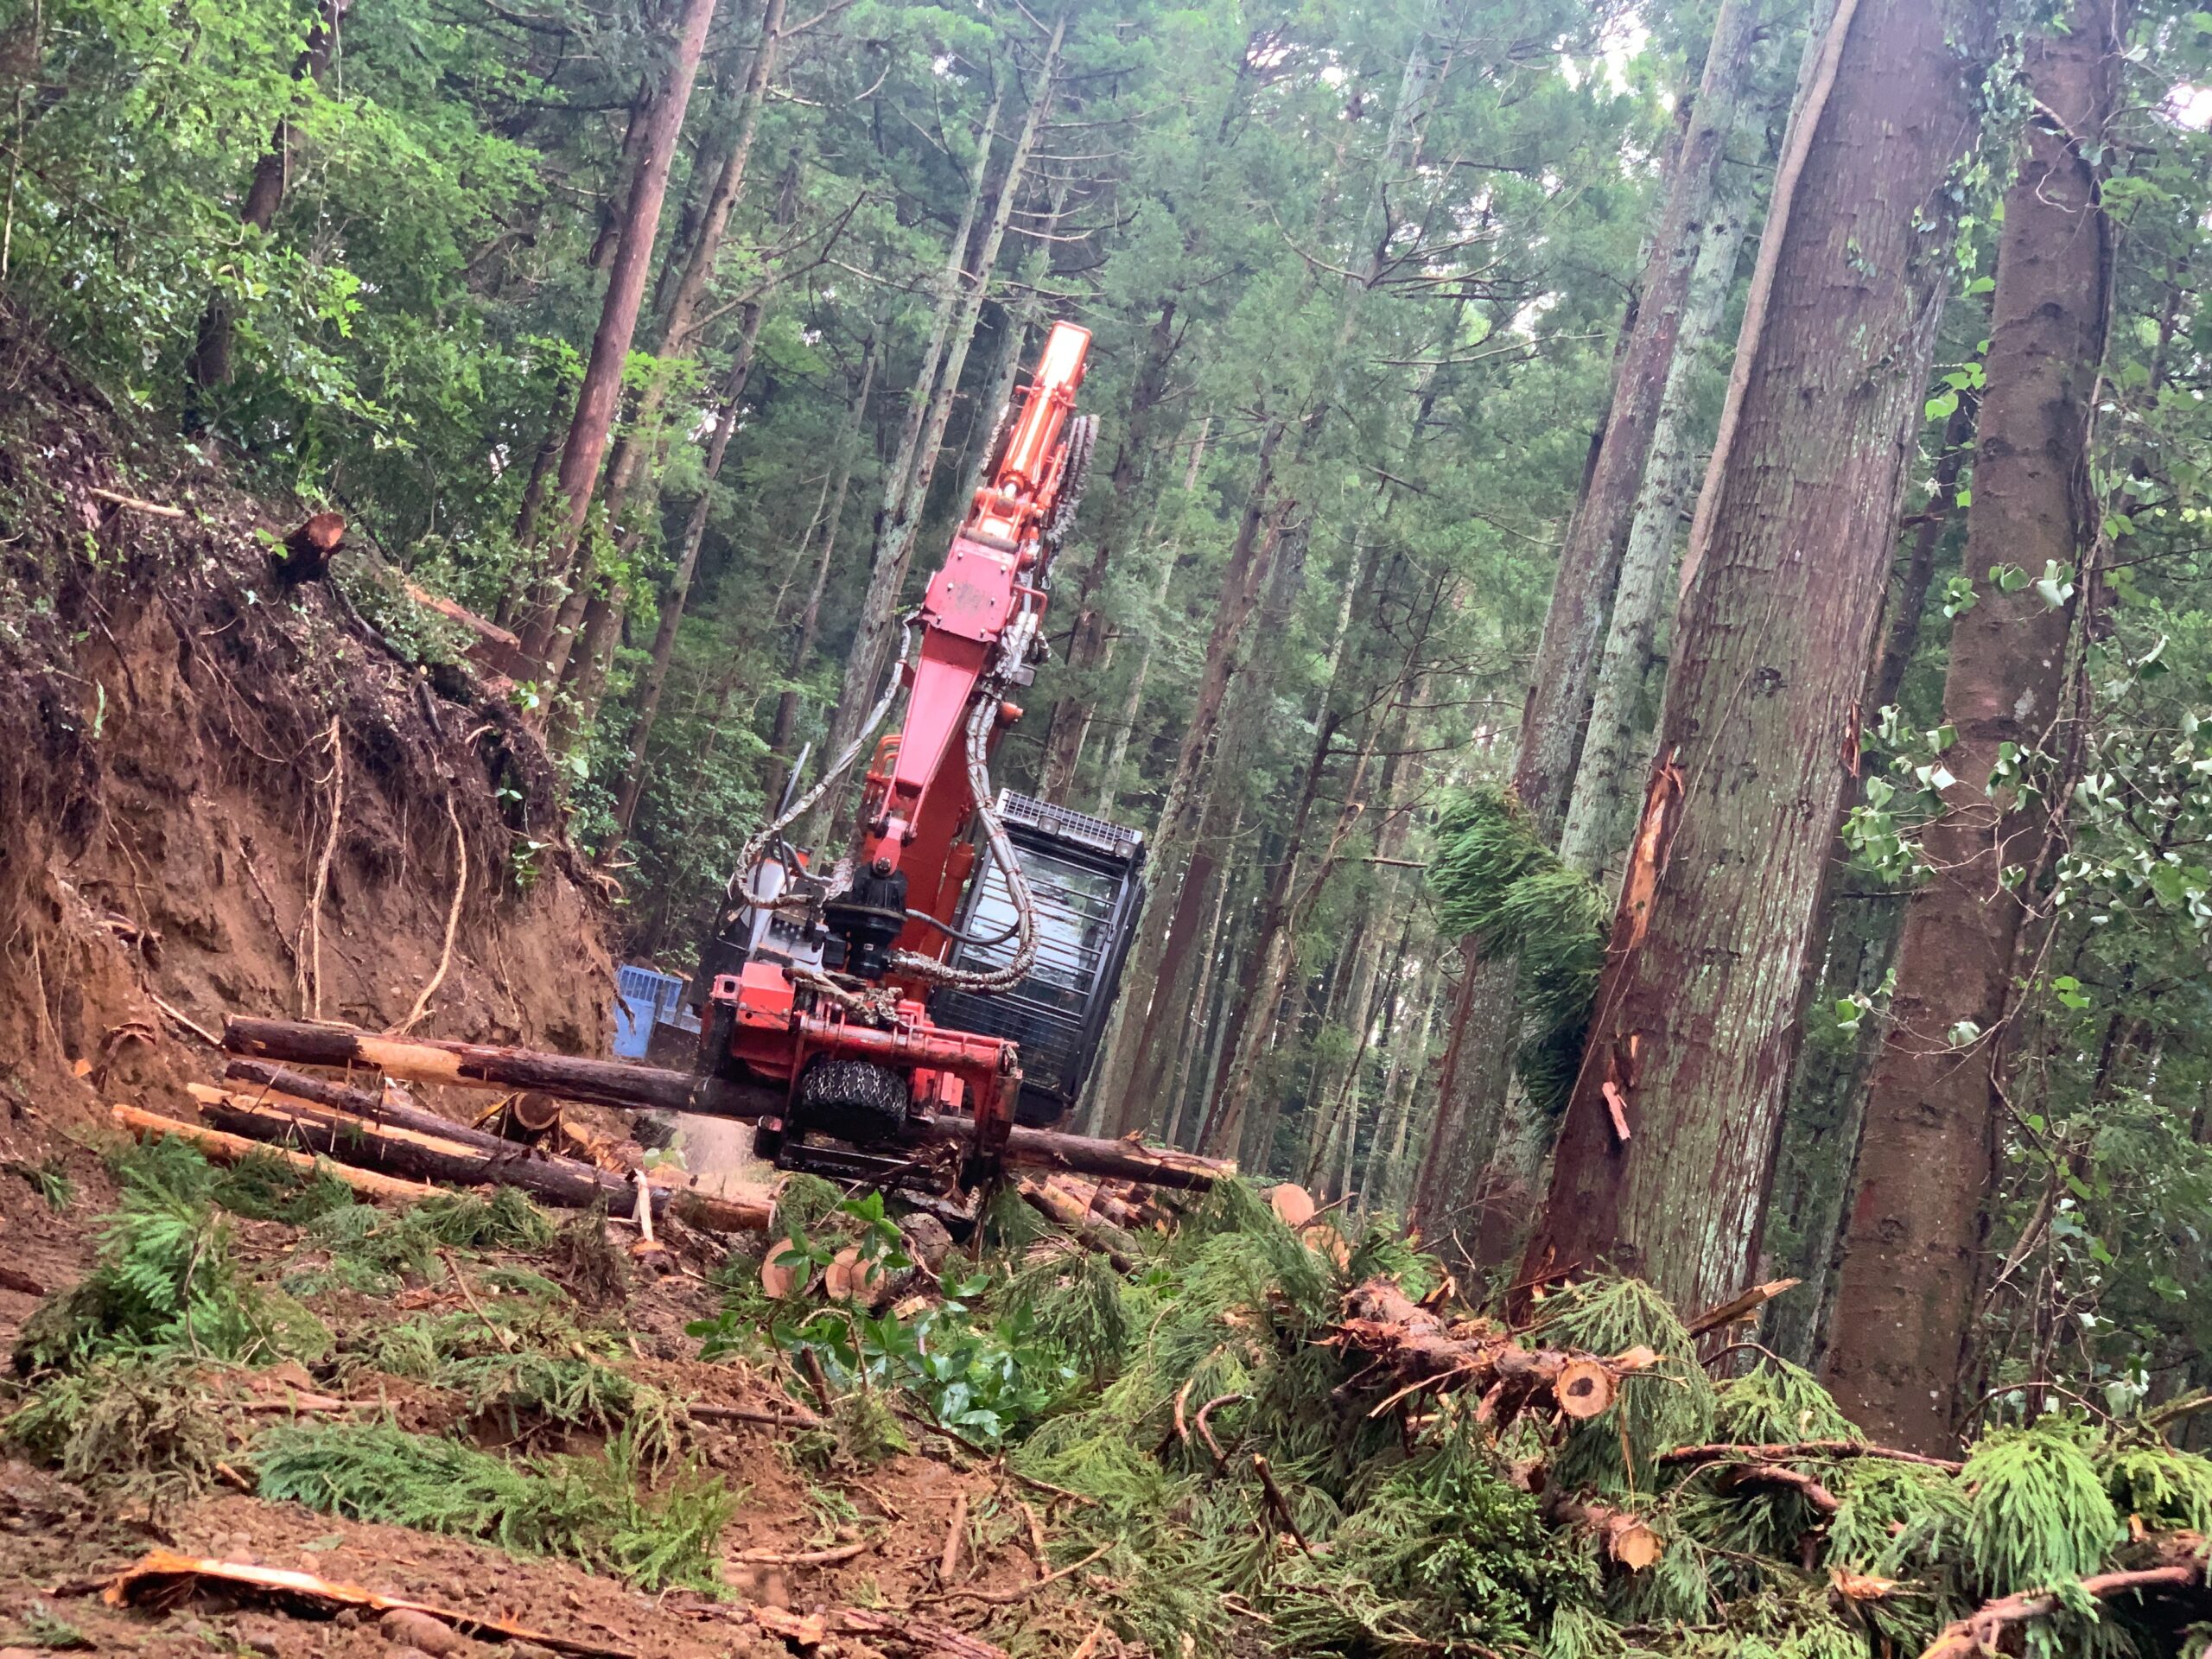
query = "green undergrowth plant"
{"x": 374, "y": 1250}
{"x": 540, "y": 1374}
{"x": 167, "y": 1277}
{"x": 141, "y": 1426}
{"x": 1496, "y": 878}
{"x": 1671, "y": 1403}
{"x": 603, "y": 1510}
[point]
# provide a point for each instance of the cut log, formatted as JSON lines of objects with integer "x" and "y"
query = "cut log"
{"x": 632, "y": 1088}
{"x": 1414, "y": 1350}
{"x": 484, "y": 1065}
{"x": 1057, "y": 1206}
{"x": 285, "y": 1086}
{"x": 229, "y": 1148}
{"x": 394, "y": 1149}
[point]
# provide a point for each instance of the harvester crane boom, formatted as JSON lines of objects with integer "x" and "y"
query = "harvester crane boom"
{"x": 826, "y": 997}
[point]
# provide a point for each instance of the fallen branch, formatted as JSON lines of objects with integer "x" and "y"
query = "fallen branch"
{"x": 229, "y": 1148}
{"x": 955, "y": 1533}
{"x": 1008, "y": 1598}
{"x": 1776, "y": 1474}
{"x": 1417, "y": 1350}
{"x": 1278, "y": 1503}
{"x": 632, "y": 1088}
{"x": 713, "y": 1414}
{"x": 187, "y": 1021}
{"x": 900, "y": 1630}
{"x": 1797, "y": 1450}
{"x": 1740, "y": 1306}
{"x": 1977, "y": 1633}
{"x": 163, "y": 1579}
{"x": 805, "y": 1557}
{"x": 132, "y": 502}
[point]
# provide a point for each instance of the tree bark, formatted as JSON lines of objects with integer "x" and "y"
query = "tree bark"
{"x": 1477, "y": 1065}
{"x": 1088, "y": 638}
{"x": 1696, "y": 1024}
{"x": 1595, "y": 826}
{"x": 1933, "y": 1109}
{"x": 1243, "y": 574}
{"x": 601, "y": 388}
{"x": 1401, "y": 1087}
{"x": 810, "y": 619}
{"x": 893, "y": 537}
{"x": 687, "y": 562}
{"x": 1590, "y": 559}
{"x": 210, "y": 365}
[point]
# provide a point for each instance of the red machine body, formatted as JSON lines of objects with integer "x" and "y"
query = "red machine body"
{"x": 777, "y": 1018}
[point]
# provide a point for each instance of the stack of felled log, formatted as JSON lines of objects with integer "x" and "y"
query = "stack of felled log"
{"x": 631, "y": 1088}
{"x": 401, "y": 1148}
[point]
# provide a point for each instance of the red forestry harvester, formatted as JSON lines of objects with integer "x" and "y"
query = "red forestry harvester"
{"x": 898, "y": 990}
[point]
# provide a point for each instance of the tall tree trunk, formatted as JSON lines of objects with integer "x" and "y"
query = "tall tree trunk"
{"x": 679, "y": 325}
{"x": 1668, "y": 1137}
{"x": 1476, "y": 1069}
{"x": 1243, "y": 575}
{"x": 586, "y": 445}
{"x": 894, "y": 549}
{"x": 1088, "y": 638}
{"x": 1919, "y": 1221}
{"x": 1276, "y": 952}
{"x": 1258, "y": 990}
{"x": 1595, "y": 827}
{"x": 1590, "y": 560}
{"x": 687, "y": 562}
{"x": 1823, "y": 1122}
{"x": 1338, "y": 1091}
{"x": 810, "y": 618}
{"x": 893, "y": 537}
{"x": 1220, "y": 809}
{"x": 976, "y": 289}
{"x": 1189, "y": 1055}
{"x": 1109, "y": 779}
{"x": 210, "y": 365}
{"x": 1401, "y": 1088}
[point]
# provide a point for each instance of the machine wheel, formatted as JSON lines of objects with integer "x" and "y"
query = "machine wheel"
{"x": 851, "y": 1100}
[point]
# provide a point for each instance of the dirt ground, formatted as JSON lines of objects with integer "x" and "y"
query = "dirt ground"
{"x": 886, "y": 1525}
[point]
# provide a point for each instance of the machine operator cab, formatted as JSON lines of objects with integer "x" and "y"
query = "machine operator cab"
{"x": 1085, "y": 876}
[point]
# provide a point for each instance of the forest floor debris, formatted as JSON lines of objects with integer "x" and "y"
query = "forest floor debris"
{"x": 1235, "y": 1443}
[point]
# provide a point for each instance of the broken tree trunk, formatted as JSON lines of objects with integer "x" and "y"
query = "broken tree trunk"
{"x": 631, "y": 1088}
{"x": 416, "y": 1155}
{"x": 1666, "y": 1147}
